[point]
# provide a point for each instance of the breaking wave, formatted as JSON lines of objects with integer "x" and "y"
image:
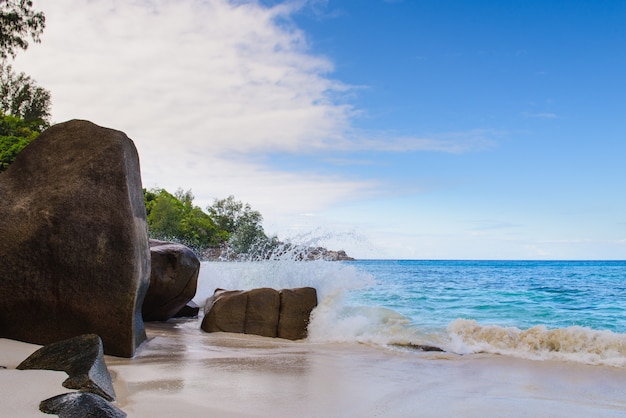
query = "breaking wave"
{"x": 578, "y": 344}
{"x": 338, "y": 318}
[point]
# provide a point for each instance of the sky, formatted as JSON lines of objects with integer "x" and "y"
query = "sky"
{"x": 415, "y": 129}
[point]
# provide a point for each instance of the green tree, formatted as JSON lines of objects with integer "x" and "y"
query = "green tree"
{"x": 15, "y": 135}
{"x": 165, "y": 216}
{"x": 243, "y": 225}
{"x": 20, "y": 96}
{"x": 175, "y": 218}
{"x": 18, "y": 22}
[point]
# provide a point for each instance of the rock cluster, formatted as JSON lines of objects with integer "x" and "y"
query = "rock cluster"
{"x": 74, "y": 247}
{"x": 82, "y": 358}
{"x": 263, "y": 311}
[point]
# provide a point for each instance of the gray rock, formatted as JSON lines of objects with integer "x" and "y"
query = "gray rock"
{"x": 173, "y": 280}
{"x": 80, "y": 405}
{"x": 74, "y": 247}
{"x": 81, "y": 358}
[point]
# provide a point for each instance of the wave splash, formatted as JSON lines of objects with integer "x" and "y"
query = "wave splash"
{"x": 578, "y": 344}
{"x": 334, "y": 319}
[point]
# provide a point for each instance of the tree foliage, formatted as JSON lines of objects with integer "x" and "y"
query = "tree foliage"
{"x": 173, "y": 217}
{"x": 20, "y": 96}
{"x": 242, "y": 224}
{"x": 18, "y": 22}
{"x": 15, "y": 134}
{"x": 228, "y": 223}
{"x": 24, "y": 106}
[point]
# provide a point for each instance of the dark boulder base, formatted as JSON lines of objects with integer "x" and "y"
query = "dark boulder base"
{"x": 173, "y": 280}
{"x": 190, "y": 310}
{"x": 266, "y": 312}
{"x": 74, "y": 246}
{"x": 81, "y": 358}
{"x": 80, "y": 405}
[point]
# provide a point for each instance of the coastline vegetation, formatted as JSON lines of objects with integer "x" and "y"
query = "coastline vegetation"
{"x": 229, "y": 228}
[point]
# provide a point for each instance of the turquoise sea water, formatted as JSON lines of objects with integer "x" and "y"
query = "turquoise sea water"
{"x": 523, "y": 294}
{"x": 543, "y": 310}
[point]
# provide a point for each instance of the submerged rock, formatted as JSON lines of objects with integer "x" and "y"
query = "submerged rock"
{"x": 80, "y": 405}
{"x": 266, "y": 312}
{"x": 81, "y": 358}
{"x": 173, "y": 280}
{"x": 74, "y": 247}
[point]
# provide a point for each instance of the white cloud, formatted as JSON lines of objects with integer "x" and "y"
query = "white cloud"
{"x": 450, "y": 142}
{"x": 541, "y": 115}
{"x": 211, "y": 74}
{"x": 207, "y": 87}
{"x": 195, "y": 83}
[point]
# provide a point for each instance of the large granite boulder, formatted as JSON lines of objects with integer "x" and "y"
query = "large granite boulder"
{"x": 173, "y": 280}
{"x": 74, "y": 247}
{"x": 266, "y": 312}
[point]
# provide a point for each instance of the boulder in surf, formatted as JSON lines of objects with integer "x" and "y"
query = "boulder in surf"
{"x": 263, "y": 311}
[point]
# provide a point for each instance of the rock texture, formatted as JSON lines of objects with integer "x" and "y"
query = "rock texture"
{"x": 80, "y": 405}
{"x": 226, "y": 311}
{"x": 74, "y": 247}
{"x": 81, "y": 358}
{"x": 266, "y": 312}
{"x": 295, "y": 308}
{"x": 262, "y": 312}
{"x": 173, "y": 280}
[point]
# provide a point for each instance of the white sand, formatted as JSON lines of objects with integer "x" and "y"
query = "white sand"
{"x": 182, "y": 372}
{"x": 22, "y": 390}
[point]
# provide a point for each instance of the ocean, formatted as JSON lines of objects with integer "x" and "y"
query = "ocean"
{"x": 541, "y": 310}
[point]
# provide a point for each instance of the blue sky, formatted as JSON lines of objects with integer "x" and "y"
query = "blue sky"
{"x": 392, "y": 129}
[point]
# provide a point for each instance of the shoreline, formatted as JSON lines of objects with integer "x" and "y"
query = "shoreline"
{"x": 182, "y": 371}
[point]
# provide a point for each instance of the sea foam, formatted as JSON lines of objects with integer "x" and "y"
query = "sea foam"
{"x": 579, "y": 344}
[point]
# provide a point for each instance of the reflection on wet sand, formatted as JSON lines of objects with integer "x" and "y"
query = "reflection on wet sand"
{"x": 181, "y": 371}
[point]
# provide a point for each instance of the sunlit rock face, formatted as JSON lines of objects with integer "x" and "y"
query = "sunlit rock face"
{"x": 74, "y": 245}
{"x": 173, "y": 280}
{"x": 263, "y": 311}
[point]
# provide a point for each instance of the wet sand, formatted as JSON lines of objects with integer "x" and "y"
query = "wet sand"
{"x": 181, "y": 371}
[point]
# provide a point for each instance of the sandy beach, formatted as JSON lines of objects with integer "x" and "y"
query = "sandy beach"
{"x": 181, "y": 371}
